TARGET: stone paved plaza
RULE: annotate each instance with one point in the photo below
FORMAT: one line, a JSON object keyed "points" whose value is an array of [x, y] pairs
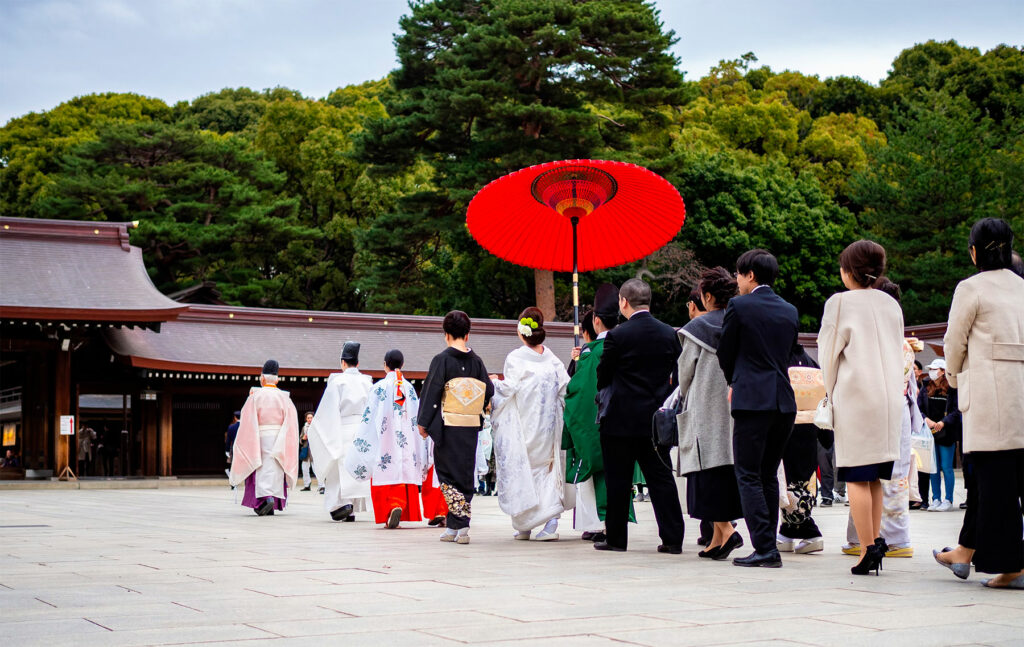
{"points": [[185, 565]]}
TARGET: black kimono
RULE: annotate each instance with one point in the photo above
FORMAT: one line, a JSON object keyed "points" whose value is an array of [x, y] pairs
{"points": [[454, 446]]}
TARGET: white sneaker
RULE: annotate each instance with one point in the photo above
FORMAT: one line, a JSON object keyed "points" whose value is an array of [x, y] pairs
{"points": [[945, 506], [806, 546], [784, 544], [935, 505], [840, 498]]}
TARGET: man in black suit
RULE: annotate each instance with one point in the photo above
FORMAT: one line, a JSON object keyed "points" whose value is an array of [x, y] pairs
{"points": [[633, 379], [758, 336]]}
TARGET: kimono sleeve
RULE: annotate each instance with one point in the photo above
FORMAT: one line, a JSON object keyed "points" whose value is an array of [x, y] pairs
{"points": [[429, 413]]}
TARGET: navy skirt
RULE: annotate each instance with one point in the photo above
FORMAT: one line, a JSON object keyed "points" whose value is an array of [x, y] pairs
{"points": [[865, 473]]}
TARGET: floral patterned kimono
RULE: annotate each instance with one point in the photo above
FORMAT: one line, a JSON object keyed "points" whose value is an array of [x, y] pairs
{"points": [[388, 451]]}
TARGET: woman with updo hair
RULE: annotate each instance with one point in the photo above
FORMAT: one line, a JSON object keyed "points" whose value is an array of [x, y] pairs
{"points": [[705, 422], [860, 349], [526, 423]]}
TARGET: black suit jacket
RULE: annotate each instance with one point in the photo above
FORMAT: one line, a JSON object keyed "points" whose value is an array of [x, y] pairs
{"points": [[635, 374], [758, 338]]}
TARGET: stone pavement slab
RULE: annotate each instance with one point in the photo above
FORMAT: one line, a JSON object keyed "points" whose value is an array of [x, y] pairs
{"points": [[188, 565]]}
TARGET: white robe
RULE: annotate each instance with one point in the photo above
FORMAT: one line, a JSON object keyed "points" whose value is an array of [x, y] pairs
{"points": [[526, 421], [387, 446], [330, 436]]}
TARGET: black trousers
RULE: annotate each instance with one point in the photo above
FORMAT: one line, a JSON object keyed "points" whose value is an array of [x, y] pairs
{"points": [[621, 453], [758, 442], [1000, 485], [827, 465], [455, 465], [969, 529]]}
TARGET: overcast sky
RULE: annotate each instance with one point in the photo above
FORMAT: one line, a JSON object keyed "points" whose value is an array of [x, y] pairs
{"points": [[179, 49]]}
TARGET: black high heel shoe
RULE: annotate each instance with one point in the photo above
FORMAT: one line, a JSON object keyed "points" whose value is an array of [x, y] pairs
{"points": [[883, 548], [872, 561]]}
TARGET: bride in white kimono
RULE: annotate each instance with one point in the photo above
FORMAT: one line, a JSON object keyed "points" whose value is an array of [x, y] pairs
{"points": [[526, 421]]}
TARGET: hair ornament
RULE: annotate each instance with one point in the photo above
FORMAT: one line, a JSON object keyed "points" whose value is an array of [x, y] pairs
{"points": [[526, 326]]}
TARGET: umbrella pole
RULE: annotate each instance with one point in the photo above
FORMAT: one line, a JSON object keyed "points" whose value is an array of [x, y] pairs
{"points": [[575, 288]]}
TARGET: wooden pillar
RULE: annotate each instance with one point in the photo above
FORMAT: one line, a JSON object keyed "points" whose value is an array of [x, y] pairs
{"points": [[148, 425], [544, 289], [35, 411], [62, 407], [164, 435]]}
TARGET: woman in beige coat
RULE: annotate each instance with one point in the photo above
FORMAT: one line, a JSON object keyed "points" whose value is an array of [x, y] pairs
{"points": [[860, 349], [984, 348]]}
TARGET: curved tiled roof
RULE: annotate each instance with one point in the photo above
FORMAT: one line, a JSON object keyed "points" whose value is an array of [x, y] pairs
{"points": [[81, 271], [229, 339]]}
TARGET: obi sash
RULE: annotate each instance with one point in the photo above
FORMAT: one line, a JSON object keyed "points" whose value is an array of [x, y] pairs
{"points": [[463, 402]]}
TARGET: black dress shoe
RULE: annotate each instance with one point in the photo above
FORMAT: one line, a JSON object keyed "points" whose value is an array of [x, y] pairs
{"points": [[732, 543], [671, 550], [603, 545], [437, 521], [305, 489], [265, 509], [826, 503], [342, 513], [703, 541], [594, 536], [763, 560]]}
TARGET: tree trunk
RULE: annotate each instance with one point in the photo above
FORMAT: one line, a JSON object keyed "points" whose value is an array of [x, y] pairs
{"points": [[544, 285]]}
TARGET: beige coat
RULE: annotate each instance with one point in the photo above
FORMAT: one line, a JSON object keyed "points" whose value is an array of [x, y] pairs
{"points": [[860, 349], [984, 350]]}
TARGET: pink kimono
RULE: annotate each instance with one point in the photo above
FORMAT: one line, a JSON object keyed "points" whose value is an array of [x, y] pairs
{"points": [[266, 452]]}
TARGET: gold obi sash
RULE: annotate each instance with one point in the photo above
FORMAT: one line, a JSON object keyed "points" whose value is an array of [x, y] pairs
{"points": [[463, 402]]}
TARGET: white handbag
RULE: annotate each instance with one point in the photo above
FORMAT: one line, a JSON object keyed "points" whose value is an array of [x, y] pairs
{"points": [[823, 415]]}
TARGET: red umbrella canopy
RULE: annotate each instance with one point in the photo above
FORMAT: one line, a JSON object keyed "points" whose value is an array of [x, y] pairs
{"points": [[625, 212]]}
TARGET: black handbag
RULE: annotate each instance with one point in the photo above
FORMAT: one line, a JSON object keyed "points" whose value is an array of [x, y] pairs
{"points": [[664, 426]]}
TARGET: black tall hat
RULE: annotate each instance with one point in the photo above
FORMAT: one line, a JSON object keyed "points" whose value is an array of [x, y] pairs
{"points": [[606, 300], [350, 352], [271, 367]]}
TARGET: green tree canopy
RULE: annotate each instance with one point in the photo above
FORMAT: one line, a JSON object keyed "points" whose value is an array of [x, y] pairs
{"points": [[485, 88]]}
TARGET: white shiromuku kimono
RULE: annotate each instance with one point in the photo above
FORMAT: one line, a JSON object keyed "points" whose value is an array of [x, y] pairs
{"points": [[526, 420], [387, 446], [330, 436]]}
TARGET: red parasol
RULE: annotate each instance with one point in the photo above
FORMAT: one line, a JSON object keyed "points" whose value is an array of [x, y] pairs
{"points": [[576, 215]]}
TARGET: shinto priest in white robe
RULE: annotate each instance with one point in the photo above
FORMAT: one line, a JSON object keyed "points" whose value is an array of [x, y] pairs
{"points": [[334, 428]]}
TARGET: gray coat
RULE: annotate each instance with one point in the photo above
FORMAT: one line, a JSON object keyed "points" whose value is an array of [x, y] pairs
{"points": [[705, 422]]}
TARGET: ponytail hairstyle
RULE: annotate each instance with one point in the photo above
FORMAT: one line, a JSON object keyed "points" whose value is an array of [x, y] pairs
{"points": [[719, 284], [531, 326], [864, 261]]}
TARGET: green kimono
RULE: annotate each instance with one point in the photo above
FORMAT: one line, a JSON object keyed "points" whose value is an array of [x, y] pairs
{"points": [[581, 437]]}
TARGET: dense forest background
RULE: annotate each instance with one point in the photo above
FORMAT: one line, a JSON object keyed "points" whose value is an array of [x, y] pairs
{"points": [[356, 201]]}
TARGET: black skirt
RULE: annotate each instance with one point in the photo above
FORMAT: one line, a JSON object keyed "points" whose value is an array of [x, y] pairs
{"points": [[712, 495], [865, 473]]}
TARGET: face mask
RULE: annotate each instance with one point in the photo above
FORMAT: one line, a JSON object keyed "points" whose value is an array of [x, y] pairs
{"points": [[933, 373]]}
